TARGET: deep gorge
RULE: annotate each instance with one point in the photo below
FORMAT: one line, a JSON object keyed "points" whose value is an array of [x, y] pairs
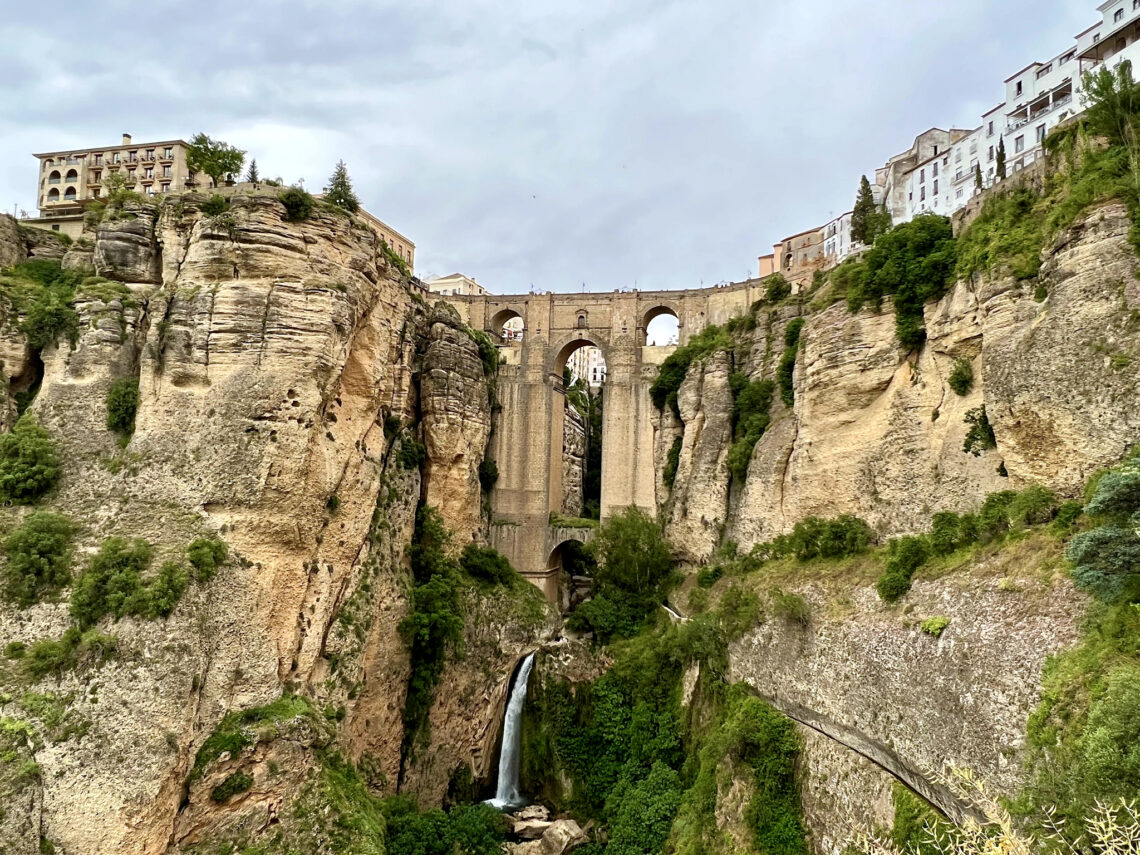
{"points": [[264, 617]]}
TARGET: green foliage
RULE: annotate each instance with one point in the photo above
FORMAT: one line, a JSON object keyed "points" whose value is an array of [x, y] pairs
{"points": [[993, 517], [672, 461], [980, 437], [74, 649], [915, 820], [752, 402], [40, 293], [913, 262], [394, 258], [840, 537], [790, 606], [708, 576], [634, 572], [1001, 159], [487, 565], [1112, 104], [214, 205], [434, 626], [112, 582], [961, 379], [298, 204], [465, 829], [340, 192], [867, 221], [488, 474], [412, 452], [205, 555], [1035, 505], [643, 811], [777, 288], [252, 175], [785, 372], [218, 159], [38, 558], [488, 351], [935, 625], [122, 404], [676, 365], [1106, 559], [950, 532], [242, 728], [907, 554], [1008, 234], [29, 465], [238, 782]]}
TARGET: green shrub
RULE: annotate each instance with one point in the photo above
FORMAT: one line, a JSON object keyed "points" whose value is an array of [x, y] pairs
{"points": [[672, 373], [840, 537], [994, 517], [122, 404], [40, 293], [633, 574], [332, 503], [238, 782], [708, 576], [75, 648], [792, 332], [240, 728], [672, 461], [913, 262], [298, 204], [205, 555], [469, 829], [412, 452], [790, 606], [214, 205], [785, 372], [163, 594], [486, 565], [949, 532], [645, 812], [935, 625], [907, 554], [961, 379], [1034, 505], [488, 474], [112, 582], [29, 466], [1067, 516], [488, 351], [777, 288], [39, 558], [980, 437]]}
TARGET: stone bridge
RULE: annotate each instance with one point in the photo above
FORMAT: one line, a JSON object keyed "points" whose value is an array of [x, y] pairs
{"points": [[527, 442]]}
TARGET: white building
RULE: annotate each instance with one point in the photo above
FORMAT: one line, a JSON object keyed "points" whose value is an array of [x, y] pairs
{"points": [[586, 363], [837, 241], [456, 284]]}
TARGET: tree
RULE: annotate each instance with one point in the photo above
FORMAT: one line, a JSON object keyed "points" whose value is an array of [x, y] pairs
{"points": [[1112, 103], [1001, 160], [215, 158], [252, 175], [864, 217], [29, 465], [978, 176], [340, 192]]}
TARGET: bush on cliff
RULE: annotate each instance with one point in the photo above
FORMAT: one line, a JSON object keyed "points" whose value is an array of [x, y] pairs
{"points": [[484, 564], [673, 370], [752, 401], [907, 554], [38, 558], [1107, 559], [298, 204], [634, 571], [122, 404], [961, 379], [40, 293], [29, 466]]}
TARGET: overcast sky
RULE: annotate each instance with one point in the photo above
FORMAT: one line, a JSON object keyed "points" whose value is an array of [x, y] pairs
{"points": [[652, 143]]}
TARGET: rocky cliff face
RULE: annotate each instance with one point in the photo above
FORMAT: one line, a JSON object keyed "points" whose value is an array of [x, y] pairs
{"points": [[878, 433], [280, 367], [573, 460]]}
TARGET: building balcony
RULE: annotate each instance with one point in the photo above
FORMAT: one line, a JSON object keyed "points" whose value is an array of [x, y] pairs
{"points": [[54, 180]]}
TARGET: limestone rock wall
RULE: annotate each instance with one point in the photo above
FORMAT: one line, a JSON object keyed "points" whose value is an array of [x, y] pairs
{"points": [[878, 433], [270, 357], [573, 461]]}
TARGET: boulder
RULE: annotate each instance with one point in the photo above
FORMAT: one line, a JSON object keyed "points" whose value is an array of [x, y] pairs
{"points": [[562, 836]]}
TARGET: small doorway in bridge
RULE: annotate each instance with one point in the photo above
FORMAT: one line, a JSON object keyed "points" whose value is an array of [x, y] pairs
{"points": [[576, 565], [584, 381], [508, 326], [662, 327]]}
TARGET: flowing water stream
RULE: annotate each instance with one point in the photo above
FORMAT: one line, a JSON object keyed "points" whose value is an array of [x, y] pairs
{"points": [[507, 792]]}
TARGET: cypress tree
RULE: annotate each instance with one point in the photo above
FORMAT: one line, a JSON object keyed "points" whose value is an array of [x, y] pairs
{"points": [[340, 192], [252, 175], [1001, 159], [978, 176], [864, 226]]}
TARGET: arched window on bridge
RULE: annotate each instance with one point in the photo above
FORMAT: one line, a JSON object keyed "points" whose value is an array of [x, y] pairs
{"points": [[582, 321], [508, 326], [662, 327], [577, 566], [582, 368]]}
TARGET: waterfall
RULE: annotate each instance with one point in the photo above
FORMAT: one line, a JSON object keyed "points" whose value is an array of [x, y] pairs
{"points": [[507, 792]]}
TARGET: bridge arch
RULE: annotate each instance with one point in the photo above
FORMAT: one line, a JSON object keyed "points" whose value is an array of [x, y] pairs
{"points": [[504, 317], [657, 312], [572, 343]]}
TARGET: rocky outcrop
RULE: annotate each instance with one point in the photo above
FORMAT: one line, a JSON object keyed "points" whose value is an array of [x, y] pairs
{"points": [[13, 248], [894, 701], [878, 432], [573, 460], [456, 420], [127, 248]]}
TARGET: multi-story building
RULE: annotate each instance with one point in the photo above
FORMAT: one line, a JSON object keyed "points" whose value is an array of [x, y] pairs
{"points": [[400, 244], [837, 242], [587, 363], [900, 193], [800, 255], [456, 284], [67, 179]]}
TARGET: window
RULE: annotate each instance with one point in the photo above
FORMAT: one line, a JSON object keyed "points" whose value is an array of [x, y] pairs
{"points": [[957, 155], [166, 172], [95, 193], [959, 192], [910, 196], [165, 188], [1118, 17], [922, 175], [581, 322], [1071, 54], [95, 176], [116, 158], [936, 151], [935, 186], [150, 154], [1096, 38], [991, 154], [149, 172], [922, 197], [55, 227], [935, 170], [1040, 133], [133, 156], [1019, 87], [169, 155], [990, 130], [98, 160], [958, 175], [1019, 145], [1043, 70]]}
